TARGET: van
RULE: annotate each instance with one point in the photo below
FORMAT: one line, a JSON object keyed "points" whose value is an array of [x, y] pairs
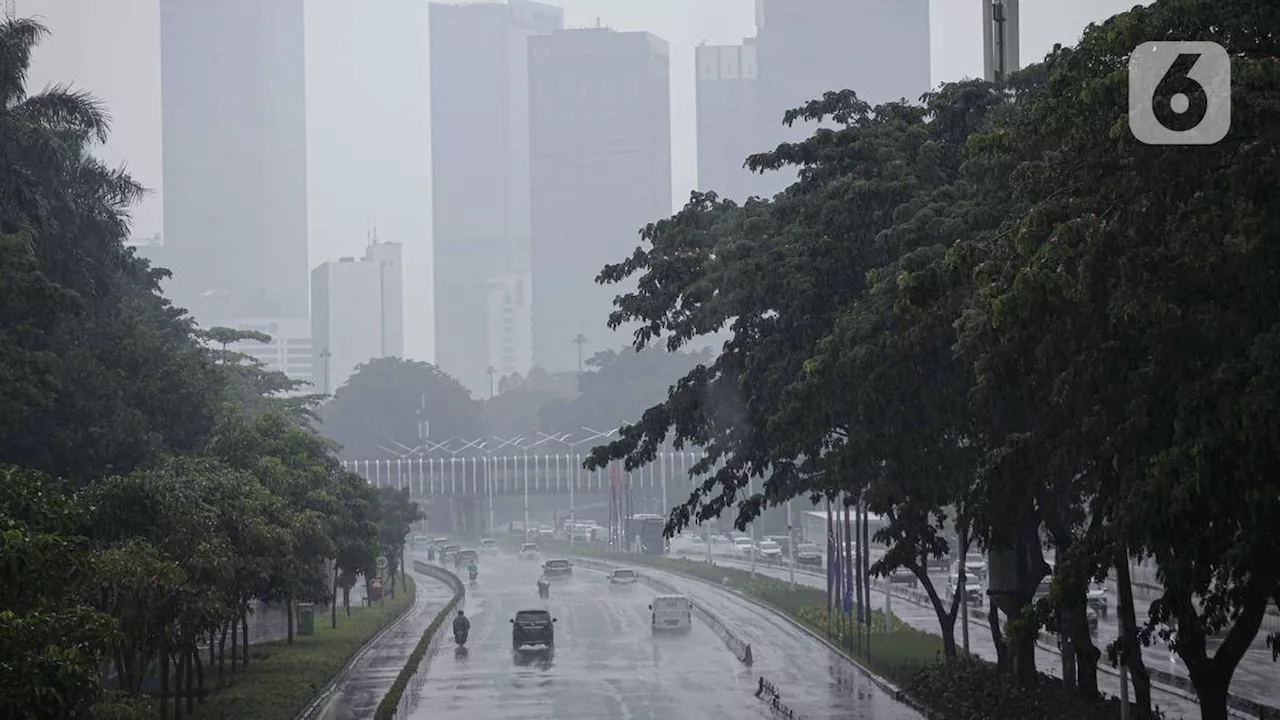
{"points": [[671, 613]]}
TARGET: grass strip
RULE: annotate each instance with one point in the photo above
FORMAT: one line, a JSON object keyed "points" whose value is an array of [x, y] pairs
{"points": [[282, 679], [391, 701]]}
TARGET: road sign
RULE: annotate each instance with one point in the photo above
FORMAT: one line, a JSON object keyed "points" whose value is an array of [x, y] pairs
{"points": [[382, 562]]}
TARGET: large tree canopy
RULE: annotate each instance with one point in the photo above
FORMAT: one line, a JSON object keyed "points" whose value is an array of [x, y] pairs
{"points": [[1003, 309], [382, 403]]}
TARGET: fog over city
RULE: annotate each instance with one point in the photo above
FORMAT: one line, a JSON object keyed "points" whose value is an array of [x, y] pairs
{"points": [[639, 359]]}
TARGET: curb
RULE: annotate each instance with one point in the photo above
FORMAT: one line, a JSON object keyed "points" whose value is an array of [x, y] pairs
{"points": [[389, 706], [317, 703]]}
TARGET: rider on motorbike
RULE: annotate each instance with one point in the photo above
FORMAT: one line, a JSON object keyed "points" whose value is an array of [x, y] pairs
{"points": [[544, 584], [461, 625], [473, 570]]}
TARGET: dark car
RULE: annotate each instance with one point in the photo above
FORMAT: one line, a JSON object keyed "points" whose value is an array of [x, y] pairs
{"points": [[466, 557], [449, 552], [531, 628], [903, 576], [557, 568]]}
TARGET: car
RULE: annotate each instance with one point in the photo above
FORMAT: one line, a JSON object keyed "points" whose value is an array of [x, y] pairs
{"points": [[558, 567], [450, 552], [975, 565], [489, 546], [419, 542], [903, 576], [972, 586], [743, 546], [546, 531], [516, 528], [623, 577], [671, 613], [439, 543], [1096, 595], [528, 551], [808, 554], [769, 551], [533, 629], [466, 557]]}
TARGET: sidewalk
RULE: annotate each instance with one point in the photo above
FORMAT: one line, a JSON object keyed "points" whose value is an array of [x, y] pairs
{"points": [[371, 675]]}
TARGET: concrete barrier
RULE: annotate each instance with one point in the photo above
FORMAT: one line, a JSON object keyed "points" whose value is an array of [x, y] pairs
{"points": [[740, 649]]}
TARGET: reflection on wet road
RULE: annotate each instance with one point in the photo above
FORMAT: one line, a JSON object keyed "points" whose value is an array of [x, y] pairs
{"points": [[607, 663]]}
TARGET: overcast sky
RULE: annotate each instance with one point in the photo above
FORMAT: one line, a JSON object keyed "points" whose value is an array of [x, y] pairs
{"points": [[368, 105]]}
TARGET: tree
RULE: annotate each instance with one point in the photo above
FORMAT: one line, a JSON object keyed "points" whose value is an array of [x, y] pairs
{"points": [[249, 386], [52, 640], [382, 404]]}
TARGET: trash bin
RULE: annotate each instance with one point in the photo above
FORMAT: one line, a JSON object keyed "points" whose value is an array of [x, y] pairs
{"points": [[306, 619]]}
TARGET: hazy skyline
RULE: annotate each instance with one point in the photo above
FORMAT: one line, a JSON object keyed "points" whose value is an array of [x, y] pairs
{"points": [[368, 129]]}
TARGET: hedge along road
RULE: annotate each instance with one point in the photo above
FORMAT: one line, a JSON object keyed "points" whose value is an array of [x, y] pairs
{"points": [[369, 677], [607, 663]]}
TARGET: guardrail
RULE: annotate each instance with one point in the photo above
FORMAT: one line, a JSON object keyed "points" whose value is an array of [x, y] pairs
{"points": [[740, 649], [392, 705], [769, 693]]}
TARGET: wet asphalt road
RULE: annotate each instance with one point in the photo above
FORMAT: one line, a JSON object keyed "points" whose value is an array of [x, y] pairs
{"points": [[1174, 704], [607, 663], [374, 670]]}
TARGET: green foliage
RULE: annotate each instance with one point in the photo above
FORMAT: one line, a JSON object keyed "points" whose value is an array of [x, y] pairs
{"points": [[381, 404], [998, 313], [391, 701]]}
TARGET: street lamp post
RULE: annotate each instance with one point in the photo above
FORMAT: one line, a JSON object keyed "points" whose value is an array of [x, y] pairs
{"points": [[577, 464], [526, 480]]}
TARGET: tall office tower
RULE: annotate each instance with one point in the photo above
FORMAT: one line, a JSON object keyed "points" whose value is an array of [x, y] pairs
{"points": [[357, 313], [600, 133], [728, 107], [480, 168], [235, 165], [999, 38], [877, 48]]}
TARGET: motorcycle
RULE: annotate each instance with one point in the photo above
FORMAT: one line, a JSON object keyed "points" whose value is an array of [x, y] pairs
{"points": [[473, 581], [544, 590], [460, 638]]}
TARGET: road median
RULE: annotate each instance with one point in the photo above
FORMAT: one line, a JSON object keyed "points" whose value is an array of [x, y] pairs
{"points": [[391, 702]]}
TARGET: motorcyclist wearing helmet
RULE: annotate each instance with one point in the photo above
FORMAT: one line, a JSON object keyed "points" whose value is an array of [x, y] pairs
{"points": [[461, 625]]}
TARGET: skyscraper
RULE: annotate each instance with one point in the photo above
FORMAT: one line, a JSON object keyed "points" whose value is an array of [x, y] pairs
{"points": [[729, 127], [234, 139], [600, 132], [803, 48], [357, 313], [480, 168]]}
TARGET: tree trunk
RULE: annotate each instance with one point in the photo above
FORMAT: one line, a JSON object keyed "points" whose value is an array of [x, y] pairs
{"points": [[244, 636], [178, 685], [1211, 690], [1130, 650], [200, 691], [222, 656], [288, 611], [164, 680], [1024, 659], [333, 599], [997, 639], [190, 659], [233, 624], [346, 600]]}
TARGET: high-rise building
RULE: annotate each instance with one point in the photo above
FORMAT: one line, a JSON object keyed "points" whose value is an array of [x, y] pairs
{"points": [[357, 313], [600, 133], [234, 142], [877, 48], [480, 168], [289, 350], [511, 324], [729, 130]]}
